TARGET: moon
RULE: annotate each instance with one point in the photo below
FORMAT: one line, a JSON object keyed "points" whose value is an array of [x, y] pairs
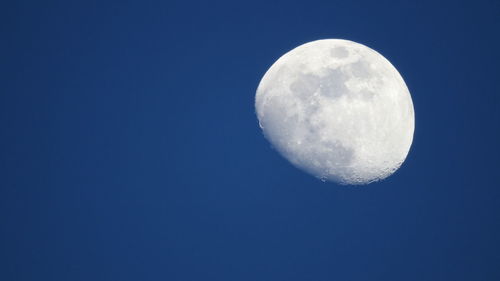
{"points": [[337, 110]]}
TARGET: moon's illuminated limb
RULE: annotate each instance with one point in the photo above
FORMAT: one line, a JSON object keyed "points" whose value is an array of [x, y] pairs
{"points": [[338, 110]]}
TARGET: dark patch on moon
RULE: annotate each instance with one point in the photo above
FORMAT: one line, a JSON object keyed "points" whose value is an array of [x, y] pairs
{"points": [[361, 69], [339, 52], [331, 85], [305, 86]]}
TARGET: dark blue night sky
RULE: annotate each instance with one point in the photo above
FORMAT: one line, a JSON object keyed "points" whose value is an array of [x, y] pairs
{"points": [[130, 149]]}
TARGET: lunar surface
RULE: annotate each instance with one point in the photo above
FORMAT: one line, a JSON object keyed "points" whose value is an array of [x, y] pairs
{"points": [[337, 110]]}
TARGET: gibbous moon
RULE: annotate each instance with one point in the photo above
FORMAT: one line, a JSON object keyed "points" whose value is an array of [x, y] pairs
{"points": [[337, 110]]}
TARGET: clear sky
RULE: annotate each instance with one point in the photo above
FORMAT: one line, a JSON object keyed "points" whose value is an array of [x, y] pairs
{"points": [[130, 149]]}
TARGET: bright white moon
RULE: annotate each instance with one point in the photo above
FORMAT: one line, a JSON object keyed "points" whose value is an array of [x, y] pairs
{"points": [[338, 110]]}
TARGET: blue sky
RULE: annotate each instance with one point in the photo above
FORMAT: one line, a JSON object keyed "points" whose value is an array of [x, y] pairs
{"points": [[130, 149]]}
